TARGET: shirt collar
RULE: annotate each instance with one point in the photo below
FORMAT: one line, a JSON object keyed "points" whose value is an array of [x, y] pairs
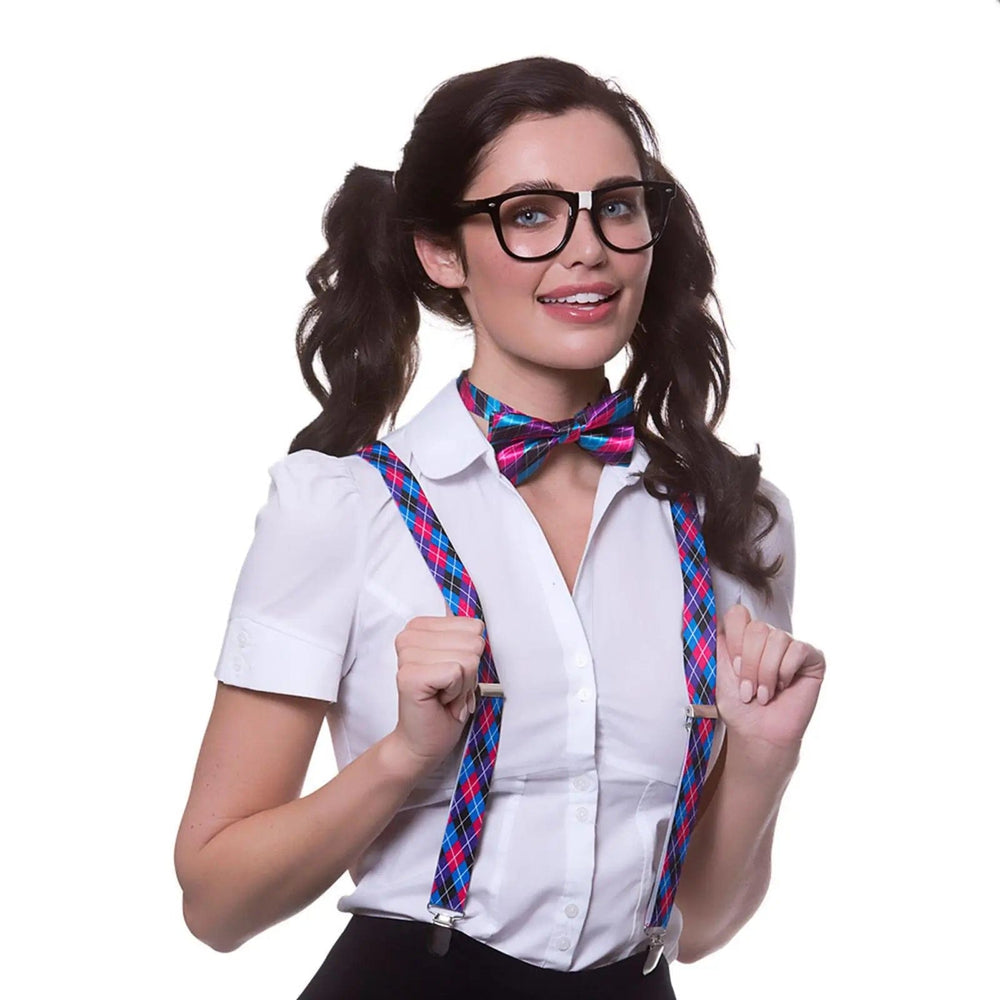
{"points": [[444, 439]]}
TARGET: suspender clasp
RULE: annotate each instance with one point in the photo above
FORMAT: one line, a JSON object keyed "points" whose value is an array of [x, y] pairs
{"points": [[440, 935], [489, 690], [655, 935], [700, 712]]}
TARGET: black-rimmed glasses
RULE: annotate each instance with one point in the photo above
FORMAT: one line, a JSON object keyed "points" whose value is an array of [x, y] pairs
{"points": [[537, 224]]}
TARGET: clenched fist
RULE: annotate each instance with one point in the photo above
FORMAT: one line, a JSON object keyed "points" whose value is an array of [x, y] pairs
{"points": [[438, 664]]}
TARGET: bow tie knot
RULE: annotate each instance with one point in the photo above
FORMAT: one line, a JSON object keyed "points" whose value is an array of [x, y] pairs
{"points": [[522, 442]]}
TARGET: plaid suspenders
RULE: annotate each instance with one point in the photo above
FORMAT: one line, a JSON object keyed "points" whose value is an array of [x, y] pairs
{"points": [[457, 856]]}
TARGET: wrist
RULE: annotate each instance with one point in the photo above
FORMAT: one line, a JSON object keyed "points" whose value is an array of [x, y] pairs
{"points": [[400, 760], [761, 757]]}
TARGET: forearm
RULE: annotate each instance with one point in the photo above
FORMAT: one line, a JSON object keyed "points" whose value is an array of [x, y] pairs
{"points": [[728, 865], [259, 870]]}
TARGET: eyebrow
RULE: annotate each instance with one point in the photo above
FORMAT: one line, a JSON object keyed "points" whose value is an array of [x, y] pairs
{"points": [[544, 184]]}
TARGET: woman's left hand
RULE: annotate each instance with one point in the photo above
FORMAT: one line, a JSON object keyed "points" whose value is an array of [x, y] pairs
{"points": [[767, 683]]}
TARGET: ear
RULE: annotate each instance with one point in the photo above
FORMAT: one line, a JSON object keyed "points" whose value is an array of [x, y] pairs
{"points": [[440, 261]]}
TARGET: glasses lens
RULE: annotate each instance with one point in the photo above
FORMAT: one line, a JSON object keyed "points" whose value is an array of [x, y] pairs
{"points": [[631, 216], [533, 224]]}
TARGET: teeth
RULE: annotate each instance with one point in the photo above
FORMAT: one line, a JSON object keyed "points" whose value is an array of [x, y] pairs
{"points": [[581, 298]]}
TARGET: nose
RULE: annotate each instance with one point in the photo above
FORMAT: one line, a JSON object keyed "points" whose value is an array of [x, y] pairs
{"points": [[584, 244]]}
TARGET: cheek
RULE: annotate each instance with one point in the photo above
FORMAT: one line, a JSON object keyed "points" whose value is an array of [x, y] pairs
{"points": [[500, 282], [638, 276], [641, 267]]}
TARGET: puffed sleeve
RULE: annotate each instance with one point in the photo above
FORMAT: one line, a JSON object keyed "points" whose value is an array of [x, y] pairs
{"points": [[780, 540], [297, 592]]}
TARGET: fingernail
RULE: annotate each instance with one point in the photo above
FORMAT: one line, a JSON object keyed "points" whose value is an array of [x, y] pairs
{"points": [[762, 694], [737, 663], [746, 690], [464, 714]]}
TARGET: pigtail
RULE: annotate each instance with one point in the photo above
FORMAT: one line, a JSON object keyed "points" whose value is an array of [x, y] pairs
{"points": [[363, 320]]}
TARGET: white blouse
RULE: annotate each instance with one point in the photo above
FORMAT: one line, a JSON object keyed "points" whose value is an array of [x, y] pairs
{"points": [[592, 737]]}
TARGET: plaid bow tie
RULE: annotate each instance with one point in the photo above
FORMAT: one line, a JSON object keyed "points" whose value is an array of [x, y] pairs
{"points": [[522, 443]]}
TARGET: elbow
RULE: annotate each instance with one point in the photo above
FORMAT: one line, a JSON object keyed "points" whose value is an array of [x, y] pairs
{"points": [[701, 937], [688, 952], [697, 940], [204, 929], [203, 921]]}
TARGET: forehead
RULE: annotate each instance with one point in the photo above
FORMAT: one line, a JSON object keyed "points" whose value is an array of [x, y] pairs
{"points": [[574, 150]]}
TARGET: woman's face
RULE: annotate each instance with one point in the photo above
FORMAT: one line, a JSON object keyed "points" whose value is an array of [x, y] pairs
{"points": [[578, 150]]}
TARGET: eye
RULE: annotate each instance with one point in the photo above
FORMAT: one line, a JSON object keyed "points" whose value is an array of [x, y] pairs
{"points": [[529, 215], [619, 207], [532, 211]]}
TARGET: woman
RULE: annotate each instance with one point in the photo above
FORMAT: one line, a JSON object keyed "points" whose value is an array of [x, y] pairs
{"points": [[530, 204]]}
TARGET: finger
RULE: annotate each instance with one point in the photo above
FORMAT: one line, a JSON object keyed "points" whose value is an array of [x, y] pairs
{"points": [[754, 639], [452, 694], [734, 624], [446, 622], [723, 657], [778, 641], [800, 659], [790, 663], [443, 680], [460, 708]]}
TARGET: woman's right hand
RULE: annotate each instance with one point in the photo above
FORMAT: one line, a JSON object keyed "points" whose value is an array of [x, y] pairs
{"points": [[438, 664]]}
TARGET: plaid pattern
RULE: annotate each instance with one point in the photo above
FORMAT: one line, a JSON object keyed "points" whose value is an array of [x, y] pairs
{"points": [[522, 443], [465, 817], [468, 804], [699, 632]]}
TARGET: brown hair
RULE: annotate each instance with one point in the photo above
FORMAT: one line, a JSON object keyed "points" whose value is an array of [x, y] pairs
{"points": [[368, 285]]}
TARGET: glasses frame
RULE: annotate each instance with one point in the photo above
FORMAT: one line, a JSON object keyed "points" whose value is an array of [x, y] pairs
{"points": [[577, 201]]}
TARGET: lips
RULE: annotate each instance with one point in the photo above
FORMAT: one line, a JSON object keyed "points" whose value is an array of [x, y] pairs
{"points": [[602, 289]]}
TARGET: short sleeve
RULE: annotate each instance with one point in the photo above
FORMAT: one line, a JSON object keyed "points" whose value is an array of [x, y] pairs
{"points": [[296, 595], [780, 540]]}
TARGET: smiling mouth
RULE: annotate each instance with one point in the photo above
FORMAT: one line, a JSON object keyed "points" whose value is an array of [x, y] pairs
{"points": [[583, 299]]}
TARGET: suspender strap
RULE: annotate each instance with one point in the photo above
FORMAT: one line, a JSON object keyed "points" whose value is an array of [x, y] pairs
{"points": [[698, 627], [468, 805]]}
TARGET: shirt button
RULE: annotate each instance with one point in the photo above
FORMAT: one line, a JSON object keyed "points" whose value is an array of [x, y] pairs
{"points": [[572, 910], [581, 782], [581, 659], [584, 694], [581, 814], [243, 638], [237, 664], [562, 943]]}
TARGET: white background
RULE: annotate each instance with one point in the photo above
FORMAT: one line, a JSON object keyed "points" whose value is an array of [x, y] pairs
{"points": [[165, 174]]}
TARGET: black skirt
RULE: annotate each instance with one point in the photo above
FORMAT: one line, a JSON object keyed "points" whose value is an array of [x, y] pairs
{"points": [[381, 957]]}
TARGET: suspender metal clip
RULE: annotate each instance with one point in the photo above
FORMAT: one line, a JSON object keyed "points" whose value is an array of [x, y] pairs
{"points": [[700, 712], [489, 690], [440, 935], [655, 935]]}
